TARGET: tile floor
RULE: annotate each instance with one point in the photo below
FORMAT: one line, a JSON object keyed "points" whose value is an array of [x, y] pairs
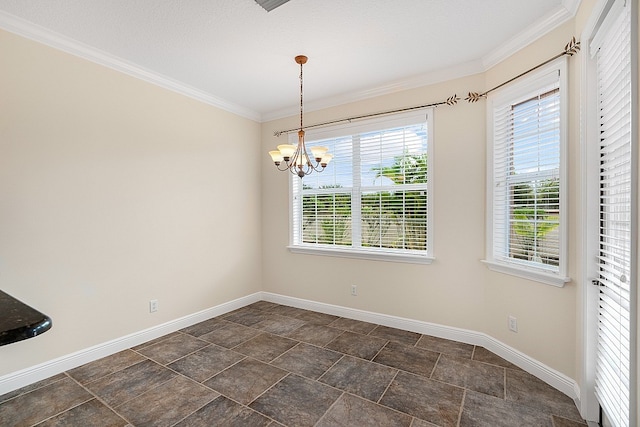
{"points": [[272, 365]]}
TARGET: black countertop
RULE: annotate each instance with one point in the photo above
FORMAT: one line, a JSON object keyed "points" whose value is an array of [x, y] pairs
{"points": [[19, 321]]}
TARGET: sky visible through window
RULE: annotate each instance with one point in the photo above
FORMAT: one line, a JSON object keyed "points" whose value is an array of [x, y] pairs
{"points": [[378, 150], [536, 134]]}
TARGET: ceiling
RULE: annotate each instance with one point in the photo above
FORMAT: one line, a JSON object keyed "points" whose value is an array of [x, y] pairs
{"points": [[237, 56]]}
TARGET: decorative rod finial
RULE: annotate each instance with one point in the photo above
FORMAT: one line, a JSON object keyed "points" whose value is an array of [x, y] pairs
{"points": [[474, 97], [452, 100], [572, 47]]}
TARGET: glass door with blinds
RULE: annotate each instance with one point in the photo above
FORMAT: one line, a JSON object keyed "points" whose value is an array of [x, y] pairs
{"points": [[614, 376]]}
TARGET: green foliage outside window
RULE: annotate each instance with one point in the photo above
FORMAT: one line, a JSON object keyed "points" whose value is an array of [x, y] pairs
{"points": [[389, 219], [533, 218]]}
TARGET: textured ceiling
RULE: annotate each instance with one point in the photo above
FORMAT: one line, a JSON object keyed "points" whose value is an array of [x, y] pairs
{"points": [[241, 55]]}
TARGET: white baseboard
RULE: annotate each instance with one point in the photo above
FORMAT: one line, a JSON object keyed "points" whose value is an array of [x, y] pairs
{"points": [[36, 373], [18, 379], [547, 374]]}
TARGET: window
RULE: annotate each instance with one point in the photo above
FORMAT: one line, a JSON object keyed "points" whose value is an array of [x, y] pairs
{"points": [[373, 200], [526, 177]]}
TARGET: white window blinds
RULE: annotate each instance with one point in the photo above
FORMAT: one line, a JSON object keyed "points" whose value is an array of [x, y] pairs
{"points": [[373, 197], [526, 181], [612, 49]]}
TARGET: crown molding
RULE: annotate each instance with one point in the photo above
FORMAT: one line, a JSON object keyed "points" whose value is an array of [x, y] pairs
{"points": [[29, 30], [554, 19], [42, 35], [530, 34], [433, 77], [572, 6]]}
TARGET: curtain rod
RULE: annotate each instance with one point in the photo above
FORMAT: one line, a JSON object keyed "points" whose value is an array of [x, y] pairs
{"points": [[570, 49]]}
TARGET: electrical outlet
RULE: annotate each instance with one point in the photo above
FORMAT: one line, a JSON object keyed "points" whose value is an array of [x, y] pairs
{"points": [[153, 306], [513, 324], [354, 290]]}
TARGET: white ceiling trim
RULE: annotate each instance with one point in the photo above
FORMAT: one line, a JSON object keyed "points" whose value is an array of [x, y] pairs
{"points": [[520, 41], [37, 33], [531, 34], [439, 76], [42, 35], [572, 6]]}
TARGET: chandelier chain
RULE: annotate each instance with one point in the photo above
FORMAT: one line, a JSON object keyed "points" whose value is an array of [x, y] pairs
{"points": [[300, 95]]}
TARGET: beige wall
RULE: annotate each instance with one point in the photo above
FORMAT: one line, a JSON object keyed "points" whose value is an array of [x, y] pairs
{"points": [[114, 192], [457, 290], [546, 314]]}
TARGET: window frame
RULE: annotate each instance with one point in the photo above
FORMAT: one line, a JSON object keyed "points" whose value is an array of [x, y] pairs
{"points": [[514, 93], [376, 254]]}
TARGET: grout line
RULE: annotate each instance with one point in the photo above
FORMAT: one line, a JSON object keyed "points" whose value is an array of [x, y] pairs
{"points": [[505, 382], [387, 388], [330, 367], [269, 388], [99, 399], [378, 352], [433, 370], [330, 407], [464, 397]]}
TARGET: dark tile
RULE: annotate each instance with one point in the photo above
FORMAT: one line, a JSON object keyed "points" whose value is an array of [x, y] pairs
{"points": [[280, 325], [357, 376], [397, 335], [205, 363], [202, 328], [155, 341], [265, 347], [426, 399], [246, 380], [230, 335], [32, 386], [442, 345], [263, 305], [167, 404], [246, 316], [307, 360], [314, 334], [362, 346], [105, 366], [352, 325], [482, 410], [417, 422], [415, 360], [563, 422], [351, 411], [467, 373], [124, 385], [173, 348], [286, 310], [91, 413], [296, 401], [317, 318], [224, 412], [481, 354], [525, 388], [42, 403]]}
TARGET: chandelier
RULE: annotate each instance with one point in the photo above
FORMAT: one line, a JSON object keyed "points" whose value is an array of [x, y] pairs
{"points": [[295, 157]]}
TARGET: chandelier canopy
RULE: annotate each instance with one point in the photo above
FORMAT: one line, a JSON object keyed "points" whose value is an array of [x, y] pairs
{"points": [[295, 157]]}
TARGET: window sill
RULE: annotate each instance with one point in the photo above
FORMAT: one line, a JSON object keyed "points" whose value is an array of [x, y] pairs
{"points": [[538, 276], [362, 254]]}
